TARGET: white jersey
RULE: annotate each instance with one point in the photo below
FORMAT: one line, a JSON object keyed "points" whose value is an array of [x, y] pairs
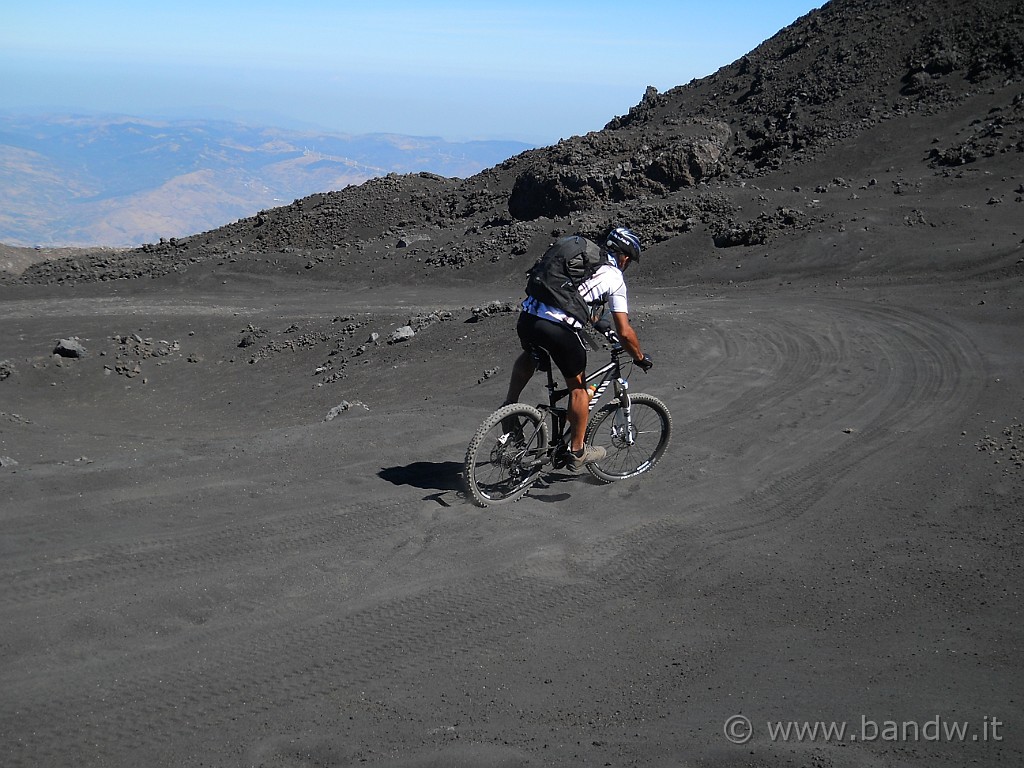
{"points": [[605, 286]]}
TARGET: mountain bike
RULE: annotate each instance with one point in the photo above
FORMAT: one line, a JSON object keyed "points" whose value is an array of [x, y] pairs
{"points": [[514, 446]]}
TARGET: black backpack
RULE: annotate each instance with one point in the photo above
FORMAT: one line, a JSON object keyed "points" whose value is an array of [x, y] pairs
{"points": [[557, 275]]}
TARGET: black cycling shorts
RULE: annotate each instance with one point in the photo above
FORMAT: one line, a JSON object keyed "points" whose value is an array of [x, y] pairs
{"points": [[557, 339]]}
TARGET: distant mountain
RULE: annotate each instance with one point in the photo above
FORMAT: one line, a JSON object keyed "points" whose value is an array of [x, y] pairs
{"points": [[68, 180]]}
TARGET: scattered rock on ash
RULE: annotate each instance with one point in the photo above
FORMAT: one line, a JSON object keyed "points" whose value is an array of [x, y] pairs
{"points": [[69, 348], [343, 406], [492, 308], [401, 334]]}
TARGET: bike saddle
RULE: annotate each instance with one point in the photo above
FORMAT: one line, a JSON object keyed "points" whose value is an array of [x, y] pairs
{"points": [[541, 358]]}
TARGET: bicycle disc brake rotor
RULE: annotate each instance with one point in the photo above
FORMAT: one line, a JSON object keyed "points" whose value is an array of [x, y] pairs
{"points": [[622, 434]]}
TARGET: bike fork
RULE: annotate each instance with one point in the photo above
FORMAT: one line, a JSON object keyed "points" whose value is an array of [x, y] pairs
{"points": [[622, 419]]}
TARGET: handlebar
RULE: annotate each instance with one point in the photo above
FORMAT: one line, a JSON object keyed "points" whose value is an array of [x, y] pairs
{"points": [[606, 330], [613, 340]]}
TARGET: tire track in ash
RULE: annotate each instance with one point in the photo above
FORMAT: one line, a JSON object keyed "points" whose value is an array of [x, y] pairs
{"points": [[116, 307], [925, 371], [791, 356], [334, 656], [155, 561], [165, 556]]}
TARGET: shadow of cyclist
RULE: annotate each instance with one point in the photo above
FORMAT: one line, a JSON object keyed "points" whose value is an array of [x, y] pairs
{"points": [[429, 475], [446, 476]]}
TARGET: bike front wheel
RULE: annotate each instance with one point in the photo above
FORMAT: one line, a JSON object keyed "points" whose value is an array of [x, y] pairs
{"points": [[634, 445], [506, 455]]}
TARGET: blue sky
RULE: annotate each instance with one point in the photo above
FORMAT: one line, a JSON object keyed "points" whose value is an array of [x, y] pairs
{"points": [[530, 71]]}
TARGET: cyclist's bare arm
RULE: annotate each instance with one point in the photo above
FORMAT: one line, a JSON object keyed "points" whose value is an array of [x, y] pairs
{"points": [[627, 336]]}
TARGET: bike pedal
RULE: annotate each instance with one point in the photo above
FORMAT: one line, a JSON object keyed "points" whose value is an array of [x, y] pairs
{"points": [[560, 457]]}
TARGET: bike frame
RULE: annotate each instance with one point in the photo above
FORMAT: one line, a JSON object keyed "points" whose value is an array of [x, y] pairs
{"points": [[608, 374]]}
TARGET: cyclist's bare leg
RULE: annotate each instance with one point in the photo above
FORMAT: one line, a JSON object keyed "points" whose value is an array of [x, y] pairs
{"points": [[578, 416], [522, 371], [579, 398], [579, 410]]}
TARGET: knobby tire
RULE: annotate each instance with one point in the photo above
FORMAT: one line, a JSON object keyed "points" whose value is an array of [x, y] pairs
{"points": [[652, 429], [500, 472]]}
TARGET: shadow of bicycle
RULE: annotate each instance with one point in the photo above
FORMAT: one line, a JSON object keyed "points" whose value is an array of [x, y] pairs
{"points": [[441, 476], [429, 475], [445, 477]]}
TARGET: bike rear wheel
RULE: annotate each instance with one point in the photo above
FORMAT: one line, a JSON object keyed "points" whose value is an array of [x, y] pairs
{"points": [[632, 449], [506, 455]]}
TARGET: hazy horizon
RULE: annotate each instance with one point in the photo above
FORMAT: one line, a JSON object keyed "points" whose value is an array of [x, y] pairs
{"points": [[529, 72]]}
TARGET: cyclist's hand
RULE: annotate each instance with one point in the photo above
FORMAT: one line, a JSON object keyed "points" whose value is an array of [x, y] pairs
{"points": [[645, 363]]}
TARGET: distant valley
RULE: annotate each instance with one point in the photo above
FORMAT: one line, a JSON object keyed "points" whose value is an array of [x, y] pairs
{"points": [[69, 180]]}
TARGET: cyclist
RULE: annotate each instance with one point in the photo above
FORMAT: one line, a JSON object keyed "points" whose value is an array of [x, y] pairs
{"points": [[556, 334]]}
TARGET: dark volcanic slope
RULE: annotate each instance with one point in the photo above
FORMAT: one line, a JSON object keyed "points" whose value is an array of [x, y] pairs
{"points": [[207, 559], [929, 88]]}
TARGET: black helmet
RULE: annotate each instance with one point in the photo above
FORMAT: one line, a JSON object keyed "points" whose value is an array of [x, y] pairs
{"points": [[622, 240]]}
